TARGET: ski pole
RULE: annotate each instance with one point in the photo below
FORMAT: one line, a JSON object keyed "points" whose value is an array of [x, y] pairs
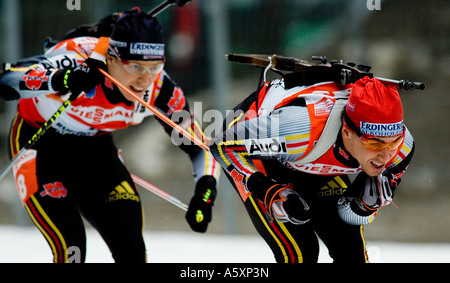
{"points": [[157, 191], [37, 135], [72, 46], [164, 5]]}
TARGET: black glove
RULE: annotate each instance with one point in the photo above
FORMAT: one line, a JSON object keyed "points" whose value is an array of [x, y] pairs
{"points": [[84, 77], [373, 192], [286, 205], [199, 213], [360, 203], [353, 212], [281, 203]]}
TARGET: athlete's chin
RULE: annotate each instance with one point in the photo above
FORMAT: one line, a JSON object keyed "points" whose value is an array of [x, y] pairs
{"points": [[131, 98]]}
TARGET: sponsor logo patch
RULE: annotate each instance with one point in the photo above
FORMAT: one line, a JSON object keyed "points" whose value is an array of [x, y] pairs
{"points": [[122, 192], [147, 49], [35, 80], [383, 130], [268, 146], [54, 190]]}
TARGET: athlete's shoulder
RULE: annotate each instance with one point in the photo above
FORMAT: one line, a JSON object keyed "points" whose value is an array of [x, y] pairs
{"points": [[62, 55]]}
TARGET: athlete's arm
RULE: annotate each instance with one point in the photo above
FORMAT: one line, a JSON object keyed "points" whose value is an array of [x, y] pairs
{"points": [[283, 135], [32, 77]]}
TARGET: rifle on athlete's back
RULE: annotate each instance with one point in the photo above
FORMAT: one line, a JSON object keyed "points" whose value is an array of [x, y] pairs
{"points": [[306, 73]]}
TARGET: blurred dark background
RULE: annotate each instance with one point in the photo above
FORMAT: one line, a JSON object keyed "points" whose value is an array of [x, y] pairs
{"points": [[402, 40]]}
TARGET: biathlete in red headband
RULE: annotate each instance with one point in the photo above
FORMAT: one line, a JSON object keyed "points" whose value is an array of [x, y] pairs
{"points": [[289, 153]]}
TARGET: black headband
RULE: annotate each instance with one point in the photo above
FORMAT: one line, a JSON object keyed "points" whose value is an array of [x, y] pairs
{"points": [[351, 125]]}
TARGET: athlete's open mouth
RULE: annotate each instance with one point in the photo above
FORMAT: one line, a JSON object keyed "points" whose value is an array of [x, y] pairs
{"points": [[377, 165], [137, 90]]}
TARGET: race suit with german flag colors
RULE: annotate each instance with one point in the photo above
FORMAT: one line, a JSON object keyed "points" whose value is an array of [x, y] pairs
{"points": [[77, 159], [271, 131]]}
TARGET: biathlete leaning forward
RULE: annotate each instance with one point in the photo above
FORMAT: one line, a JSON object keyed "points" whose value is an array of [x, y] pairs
{"points": [[74, 169], [289, 154]]}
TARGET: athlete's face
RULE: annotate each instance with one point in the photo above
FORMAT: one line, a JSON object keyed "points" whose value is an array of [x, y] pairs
{"points": [[373, 160], [137, 76]]}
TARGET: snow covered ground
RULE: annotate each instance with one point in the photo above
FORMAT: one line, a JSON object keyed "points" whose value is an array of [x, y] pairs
{"points": [[26, 245]]}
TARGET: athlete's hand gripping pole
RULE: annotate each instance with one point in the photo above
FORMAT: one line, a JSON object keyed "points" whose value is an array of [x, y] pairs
{"points": [[281, 203], [199, 213], [72, 46]]}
